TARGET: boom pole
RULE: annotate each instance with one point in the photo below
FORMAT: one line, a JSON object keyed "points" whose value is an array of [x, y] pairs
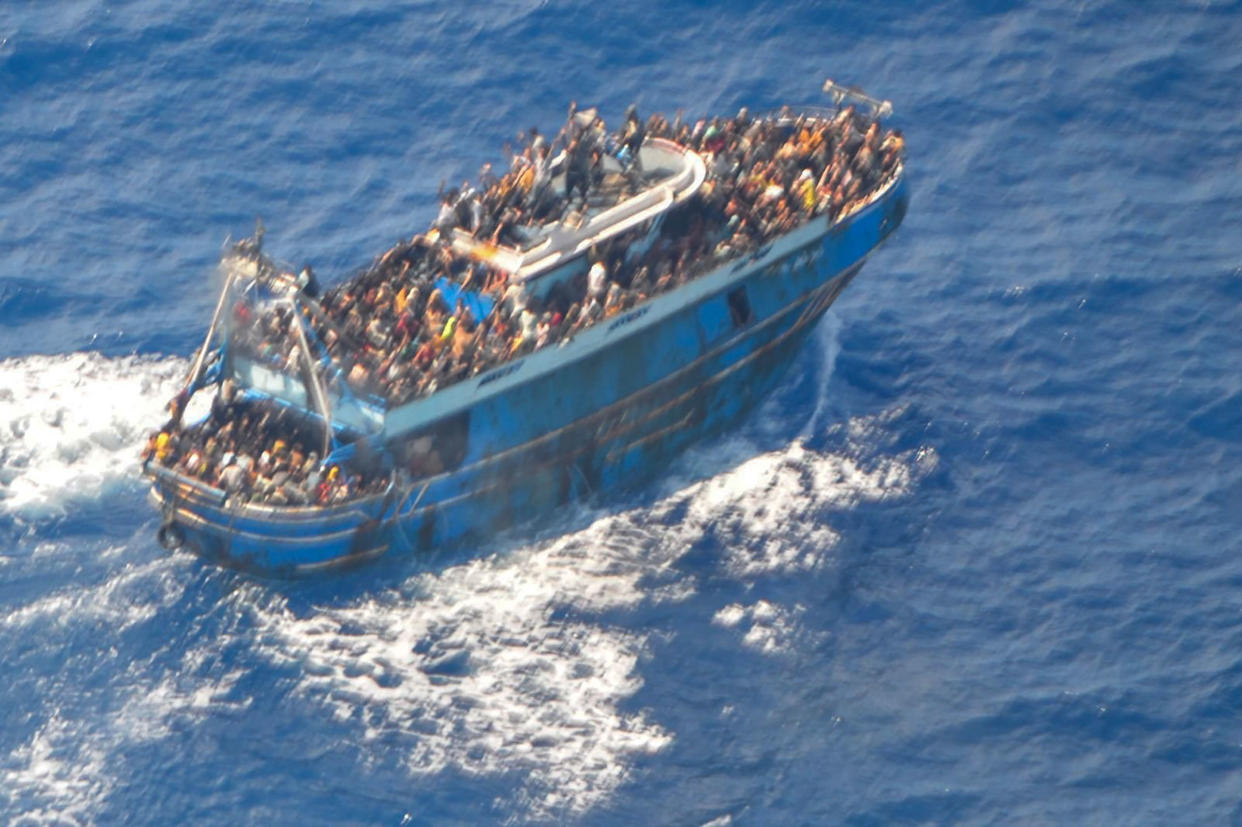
{"points": [[196, 372], [840, 93]]}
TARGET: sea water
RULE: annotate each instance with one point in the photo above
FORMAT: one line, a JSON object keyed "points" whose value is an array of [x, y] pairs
{"points": [[975, 561]]}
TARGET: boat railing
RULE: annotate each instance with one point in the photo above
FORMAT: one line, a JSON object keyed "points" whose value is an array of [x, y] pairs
{"points": [[172, 478]]}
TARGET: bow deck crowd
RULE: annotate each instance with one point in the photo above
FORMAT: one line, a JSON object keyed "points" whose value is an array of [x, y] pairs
{"points": [[396, 336]]}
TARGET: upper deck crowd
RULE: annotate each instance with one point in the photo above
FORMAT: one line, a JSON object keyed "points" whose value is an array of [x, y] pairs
{"points": [[398, 336], [395, 334]]}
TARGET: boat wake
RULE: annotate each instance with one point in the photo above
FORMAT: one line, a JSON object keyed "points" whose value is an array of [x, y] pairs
{"points": [[68, 766], [516, 660], [72, 425], [524, 662]]}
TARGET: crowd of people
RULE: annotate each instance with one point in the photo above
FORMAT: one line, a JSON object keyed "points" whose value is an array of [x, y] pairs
{"points": [[399, 338], [256, 451], [393, 334]]}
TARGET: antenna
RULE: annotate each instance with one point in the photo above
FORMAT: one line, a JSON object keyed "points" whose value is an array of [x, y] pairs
{"points": [[840, 94]]}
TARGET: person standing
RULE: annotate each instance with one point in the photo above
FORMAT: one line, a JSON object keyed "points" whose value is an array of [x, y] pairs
{"points": [[597, 281], [632, 137], [577, 169]]}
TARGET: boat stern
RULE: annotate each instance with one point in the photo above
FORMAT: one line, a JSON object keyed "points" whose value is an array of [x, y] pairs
{"points": [[265, 540]]}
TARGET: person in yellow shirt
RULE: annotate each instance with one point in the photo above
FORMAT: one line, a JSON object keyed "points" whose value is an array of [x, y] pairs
{"points": [[526, 178], [163, 446], [805, 189]]}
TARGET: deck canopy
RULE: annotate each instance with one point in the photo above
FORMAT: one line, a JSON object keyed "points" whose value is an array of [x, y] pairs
{"points": [[671, 174]]}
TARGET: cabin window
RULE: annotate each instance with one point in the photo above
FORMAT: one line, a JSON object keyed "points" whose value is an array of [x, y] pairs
{"points": [[739, 307], [439, 447]]}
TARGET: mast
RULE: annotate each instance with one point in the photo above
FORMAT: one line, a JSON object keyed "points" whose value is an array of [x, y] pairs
{"points": [[314, 388]]}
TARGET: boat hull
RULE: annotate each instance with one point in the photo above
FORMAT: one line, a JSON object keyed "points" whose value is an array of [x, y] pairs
{"points": [[607, 419]]}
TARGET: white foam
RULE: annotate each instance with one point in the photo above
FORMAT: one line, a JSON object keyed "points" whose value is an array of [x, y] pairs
{"points": [[768, 510], [826, 339], [773, 628], [66, 771], [72, 424], [54, 778], [502, 665], [479, 675], [118, 603], [730, 616]]}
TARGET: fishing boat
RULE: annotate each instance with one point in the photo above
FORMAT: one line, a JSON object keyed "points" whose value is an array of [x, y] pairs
{"points": [[333, 439]]}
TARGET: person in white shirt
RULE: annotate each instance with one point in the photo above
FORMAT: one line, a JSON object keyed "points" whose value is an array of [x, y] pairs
{"points": [[597, 281]]}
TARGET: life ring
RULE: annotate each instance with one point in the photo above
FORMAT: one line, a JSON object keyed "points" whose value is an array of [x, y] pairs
{"points": [[170, 536]]}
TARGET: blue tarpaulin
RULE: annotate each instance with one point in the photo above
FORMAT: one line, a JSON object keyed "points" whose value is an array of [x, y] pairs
{"points": [[480, 305]]}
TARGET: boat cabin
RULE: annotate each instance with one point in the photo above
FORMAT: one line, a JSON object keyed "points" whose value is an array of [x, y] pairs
{"points": [[557, 250]]}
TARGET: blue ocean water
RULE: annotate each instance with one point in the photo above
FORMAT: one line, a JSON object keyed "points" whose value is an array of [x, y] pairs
{"points": [[976, 561]]}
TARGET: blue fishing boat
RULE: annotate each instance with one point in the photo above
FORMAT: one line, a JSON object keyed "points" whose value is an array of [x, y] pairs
{"points": [[560, 332]]}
